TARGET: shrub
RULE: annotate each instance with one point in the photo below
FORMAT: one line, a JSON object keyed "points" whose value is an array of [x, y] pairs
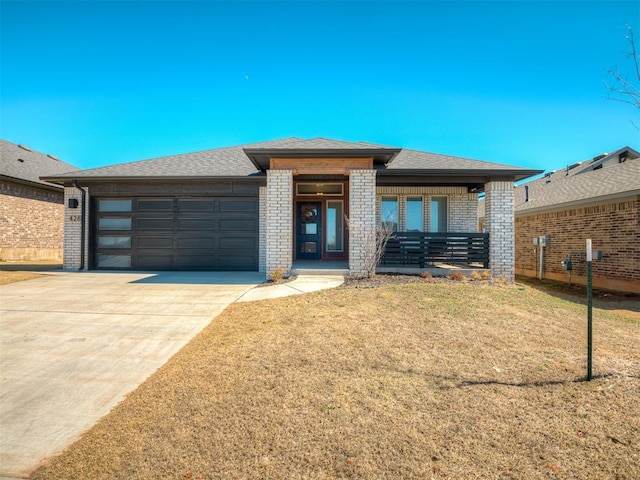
{"points": [[276, 275], [426, 274], [458, 276], [476, 276], [486, 274]]}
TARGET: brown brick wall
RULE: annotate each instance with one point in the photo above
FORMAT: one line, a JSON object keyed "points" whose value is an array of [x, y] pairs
{"points": [[614, 228], [31, 222]]}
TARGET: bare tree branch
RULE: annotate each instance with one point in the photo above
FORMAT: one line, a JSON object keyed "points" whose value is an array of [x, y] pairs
{"points": [[625, 90]]}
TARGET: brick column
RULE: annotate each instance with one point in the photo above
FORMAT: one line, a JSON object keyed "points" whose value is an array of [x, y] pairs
{"points": [[279, 220], [73, 230], [500, 225], [262, 231], [362, 218]]}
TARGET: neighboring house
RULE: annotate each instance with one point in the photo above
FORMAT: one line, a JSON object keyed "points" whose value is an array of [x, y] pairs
{"points": [[31, 210], [266, 206], [597, 199]]}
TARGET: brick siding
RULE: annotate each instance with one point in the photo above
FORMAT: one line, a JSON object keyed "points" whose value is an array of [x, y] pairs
{"points": [[362, 218], [31, 222], [73, 230], [262, 230], [499, 218], [279, 220], [463, 206], [613, 227]]}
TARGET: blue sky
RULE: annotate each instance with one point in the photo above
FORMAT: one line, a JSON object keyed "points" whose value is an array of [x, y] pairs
{"points": [[515, 82]]}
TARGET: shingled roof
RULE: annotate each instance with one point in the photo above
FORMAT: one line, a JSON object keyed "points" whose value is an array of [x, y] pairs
{"points": [[558, 190], [23, 164], [599, 179], [234, 162]]}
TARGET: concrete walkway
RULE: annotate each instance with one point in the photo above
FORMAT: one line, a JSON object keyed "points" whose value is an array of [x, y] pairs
{"points": [[302, 284], [73, 345]]}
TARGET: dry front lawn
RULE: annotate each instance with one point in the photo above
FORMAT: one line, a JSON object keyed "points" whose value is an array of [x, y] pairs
{"points": [[412, 381], [12, 277]]}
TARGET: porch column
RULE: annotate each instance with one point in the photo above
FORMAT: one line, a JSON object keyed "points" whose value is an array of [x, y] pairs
{"points": [[279, 220], [500, 225], [72, 247], [362, 218]]}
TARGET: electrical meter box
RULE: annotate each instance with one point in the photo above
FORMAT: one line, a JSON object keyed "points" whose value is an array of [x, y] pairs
{"points": [[567, 265], [597, 254], [536, 241], [544, 241]]}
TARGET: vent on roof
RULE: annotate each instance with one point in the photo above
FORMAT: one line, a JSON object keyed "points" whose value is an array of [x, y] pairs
{"points": [[571, 167], [53, 156], [597, 167], [599, 157], [24, 147], [622, 157], [21, 160]]}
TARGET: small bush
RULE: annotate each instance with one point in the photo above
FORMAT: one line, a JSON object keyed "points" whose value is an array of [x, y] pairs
{"points": [[486, 275], [476, 276], [276, 275], [458, 276], [426, 274]]}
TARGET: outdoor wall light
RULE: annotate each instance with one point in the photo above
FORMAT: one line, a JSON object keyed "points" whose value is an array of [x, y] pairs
{"points": [[73, 203]]}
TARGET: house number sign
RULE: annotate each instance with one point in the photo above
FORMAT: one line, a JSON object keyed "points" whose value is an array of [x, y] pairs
{"points": [[75, 218]]}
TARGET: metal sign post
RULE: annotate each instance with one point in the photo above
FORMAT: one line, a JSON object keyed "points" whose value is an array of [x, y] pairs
{"points": [[589, 311]]}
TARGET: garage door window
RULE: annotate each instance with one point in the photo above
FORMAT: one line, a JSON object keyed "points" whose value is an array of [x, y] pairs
{"points": [[114, 223], [115, 206]]}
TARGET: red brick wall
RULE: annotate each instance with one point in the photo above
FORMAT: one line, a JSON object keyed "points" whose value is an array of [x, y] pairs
{"points": [[614, 228], [31, 222]]}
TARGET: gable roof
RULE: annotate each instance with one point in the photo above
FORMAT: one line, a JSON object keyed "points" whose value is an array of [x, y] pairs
{"points": [[599, 179], [588, 186], [242, 161], [25, 165]]}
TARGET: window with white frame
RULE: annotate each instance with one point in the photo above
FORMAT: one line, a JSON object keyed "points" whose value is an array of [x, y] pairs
{"points": [[439, 214], [389, 212], [414, 221]]}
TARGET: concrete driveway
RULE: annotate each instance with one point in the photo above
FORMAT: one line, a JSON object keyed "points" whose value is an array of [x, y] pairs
{"points": [[73, 345]]}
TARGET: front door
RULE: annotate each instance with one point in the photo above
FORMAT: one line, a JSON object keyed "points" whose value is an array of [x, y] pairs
{"points": [[309, 230]]}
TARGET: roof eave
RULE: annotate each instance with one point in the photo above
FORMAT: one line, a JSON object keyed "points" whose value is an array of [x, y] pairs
{"points": [[488, 174], [260, 157], [574, 203], [31, 183], [67, 180]]}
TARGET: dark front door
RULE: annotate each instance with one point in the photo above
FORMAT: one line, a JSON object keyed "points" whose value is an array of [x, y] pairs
{"points": [[309, 230]]}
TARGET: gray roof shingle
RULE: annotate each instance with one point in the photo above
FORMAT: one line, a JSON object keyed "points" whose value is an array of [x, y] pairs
{"points": [[580, 184], [557, 190], [234, 162], [24, 164]]}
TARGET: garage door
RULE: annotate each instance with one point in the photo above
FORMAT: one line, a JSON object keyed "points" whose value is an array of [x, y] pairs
{"points": [[209, 233]]}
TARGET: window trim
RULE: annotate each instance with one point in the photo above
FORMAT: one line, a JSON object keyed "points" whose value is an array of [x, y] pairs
{"points": [[431, 203]]}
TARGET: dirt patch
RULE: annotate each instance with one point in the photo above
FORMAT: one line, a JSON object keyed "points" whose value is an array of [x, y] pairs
{"points": [[427, 379], [7, 277]]}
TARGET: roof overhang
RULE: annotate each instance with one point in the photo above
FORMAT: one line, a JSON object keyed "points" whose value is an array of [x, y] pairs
{"points": [[68, 181], [47, 186], [261, 157], [462, 176]]}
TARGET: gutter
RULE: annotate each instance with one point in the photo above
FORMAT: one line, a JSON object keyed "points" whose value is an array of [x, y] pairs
{"points": [[83, 228]]}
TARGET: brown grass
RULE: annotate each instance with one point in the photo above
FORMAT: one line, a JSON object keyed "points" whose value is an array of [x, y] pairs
{"points": [[430, 380], [12, 277]]}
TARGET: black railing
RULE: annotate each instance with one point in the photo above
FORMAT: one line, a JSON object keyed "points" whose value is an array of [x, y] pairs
{"points": [[418, 249]]}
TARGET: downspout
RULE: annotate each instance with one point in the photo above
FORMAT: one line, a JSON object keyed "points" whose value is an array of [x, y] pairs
{"points": [[83, 229]]}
